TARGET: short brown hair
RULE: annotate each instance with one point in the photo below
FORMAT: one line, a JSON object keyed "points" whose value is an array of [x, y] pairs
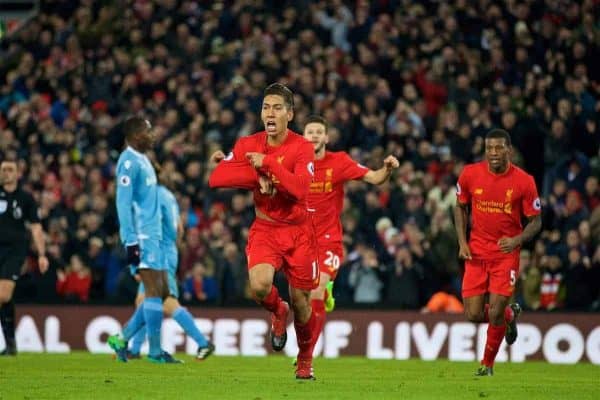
{"points": [[283, 91], [317, 119], [9, 157]]}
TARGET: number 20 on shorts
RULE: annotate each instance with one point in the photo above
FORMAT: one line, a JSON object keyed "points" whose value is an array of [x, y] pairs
{"points": [[332, 260]]}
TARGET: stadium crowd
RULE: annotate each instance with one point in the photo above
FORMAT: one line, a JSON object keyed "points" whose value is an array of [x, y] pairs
{"points": [[424, 82]]}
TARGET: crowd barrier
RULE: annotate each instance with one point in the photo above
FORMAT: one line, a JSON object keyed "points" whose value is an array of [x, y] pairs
{"points": [[565, 338]]}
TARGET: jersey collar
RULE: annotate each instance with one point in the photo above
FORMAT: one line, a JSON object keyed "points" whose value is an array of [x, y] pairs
{"points": [[487, 167], [134, 151]]}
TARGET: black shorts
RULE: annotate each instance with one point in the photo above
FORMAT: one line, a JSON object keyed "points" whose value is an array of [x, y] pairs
{"points": [[11, 262]]}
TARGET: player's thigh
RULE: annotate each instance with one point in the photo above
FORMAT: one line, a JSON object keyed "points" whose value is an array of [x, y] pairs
{"points": [[154, 282], [475, 279], [301, 266], [503, 274], [319, 292]]}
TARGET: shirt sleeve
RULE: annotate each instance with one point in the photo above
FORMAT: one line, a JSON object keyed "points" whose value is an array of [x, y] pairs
{"points": [[126, 175], [234, 171], [296, 183], [351, 169], [463, 196], [530, 202], [32, 213]]}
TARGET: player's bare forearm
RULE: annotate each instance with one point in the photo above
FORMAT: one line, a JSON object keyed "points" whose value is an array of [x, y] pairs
{"points": [[38, 239], [460, 222], [382, 174], [533, 227], [377, 177]]}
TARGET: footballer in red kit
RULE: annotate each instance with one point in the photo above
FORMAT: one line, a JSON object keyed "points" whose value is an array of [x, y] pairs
{"points": [[498, 194], [332, 170], [277, 165]]}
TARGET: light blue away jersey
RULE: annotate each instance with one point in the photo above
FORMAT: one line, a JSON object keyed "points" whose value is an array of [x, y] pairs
{"points": [[169, 212], [137, 198]]}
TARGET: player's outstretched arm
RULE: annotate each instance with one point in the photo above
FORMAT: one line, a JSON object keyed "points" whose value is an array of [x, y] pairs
{"points": [[460, 223], [382, 174]]}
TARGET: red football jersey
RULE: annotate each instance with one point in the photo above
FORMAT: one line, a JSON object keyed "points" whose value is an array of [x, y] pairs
{"points": [[498, 203], [290, 167], [327, 192]]}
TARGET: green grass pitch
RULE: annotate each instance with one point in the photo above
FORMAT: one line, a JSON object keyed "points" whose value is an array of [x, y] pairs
{"points": [[85, 376]]}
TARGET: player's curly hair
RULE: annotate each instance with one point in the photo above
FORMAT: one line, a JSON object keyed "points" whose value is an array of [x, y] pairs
{"points": [[279, 89]]}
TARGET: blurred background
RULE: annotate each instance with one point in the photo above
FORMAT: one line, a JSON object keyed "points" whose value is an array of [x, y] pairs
{"points": [[423, 82]]}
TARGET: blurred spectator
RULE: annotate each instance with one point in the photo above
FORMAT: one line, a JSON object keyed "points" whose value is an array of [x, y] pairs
{"points": [[366, 278], [552, 289], [198, 287], [404, 281], [73, 284], [528, 286]]}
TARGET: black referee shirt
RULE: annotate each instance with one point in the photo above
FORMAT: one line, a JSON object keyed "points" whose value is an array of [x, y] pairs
{"points": [[16, 208]]}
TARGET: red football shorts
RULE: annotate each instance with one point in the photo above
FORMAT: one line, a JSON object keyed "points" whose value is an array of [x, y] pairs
{"points": [[490, 276], [291, 247], [331, 255]]}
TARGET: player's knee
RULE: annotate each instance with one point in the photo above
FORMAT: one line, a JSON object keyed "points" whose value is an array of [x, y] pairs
{"points": [[260, 288], [474, 315], [302, 312], [496, 314]]}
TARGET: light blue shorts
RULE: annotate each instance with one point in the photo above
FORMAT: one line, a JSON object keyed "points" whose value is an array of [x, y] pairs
{"points": [[170, 261], [151, 255]]}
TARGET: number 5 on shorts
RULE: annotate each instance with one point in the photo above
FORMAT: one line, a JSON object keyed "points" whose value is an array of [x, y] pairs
{"points": [[513, 277]]}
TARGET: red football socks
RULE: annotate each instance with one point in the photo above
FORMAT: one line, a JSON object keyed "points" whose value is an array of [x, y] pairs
{"points": [[304, 336], [318, 308], [272, 301], [495, 334]]}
